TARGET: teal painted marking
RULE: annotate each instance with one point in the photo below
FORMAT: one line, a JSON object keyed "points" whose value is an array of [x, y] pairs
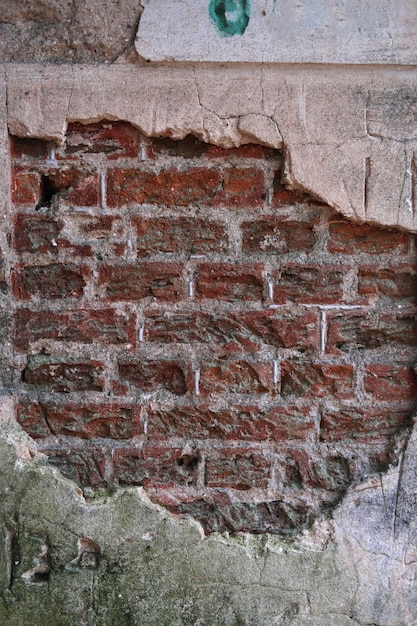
{"points": [[230, 16]]}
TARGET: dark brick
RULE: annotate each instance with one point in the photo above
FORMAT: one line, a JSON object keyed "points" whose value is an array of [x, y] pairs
{"points": [[155, 465], [63, 374], [272, 236], [237, 469], [163, 281], [309, 284], [49, 281], [230, 282], [153, 374]]}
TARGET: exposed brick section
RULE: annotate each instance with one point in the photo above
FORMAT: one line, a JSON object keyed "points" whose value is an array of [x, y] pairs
{"points": [[360, 330], [63, 374], [318, 380], [179, 235], [152, 375], [391, 382], [114, 421], [114, 139], [153, 465], [361, 424], [185, 322], [169, 188], [230, 282], [389, 282], [240, 376], [49, 281], [162, 281], [309, 284], [237, 470], [273, 236], [81, 326], [247, 423], [348, 238]]}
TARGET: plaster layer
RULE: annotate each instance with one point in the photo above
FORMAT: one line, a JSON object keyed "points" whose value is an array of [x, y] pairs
{"points": [[122, 560], [349, 134], [282, 31]]}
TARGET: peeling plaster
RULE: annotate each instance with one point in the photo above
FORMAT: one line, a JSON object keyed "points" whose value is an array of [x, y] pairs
{"points": [[343, 129]]}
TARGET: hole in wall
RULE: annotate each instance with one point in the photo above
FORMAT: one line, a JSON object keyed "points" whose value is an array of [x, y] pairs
{"points": [[291, 330]]}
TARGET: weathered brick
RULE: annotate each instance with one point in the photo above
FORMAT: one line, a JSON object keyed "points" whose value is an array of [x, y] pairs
{"points": [[391, 382], [251, 330], [309, 284], [395, 282], [316, 380], [282, 195], [242, 187], [275, 517], [169, 187], [247, 151], [362, 424], [230, 282], [41, 234], [238, 376], [88, 466], [273, 236], [155, 374], [349, 238], [358, 330], [245, 422], [236, 469], [188, 148], [22, 147], [94, 228], [49, 281], [80, 326], [163, 281], [114, 421], [114, 139], [155, 465], [64, 374], [26, 187], [74, 186], [182, 235]]}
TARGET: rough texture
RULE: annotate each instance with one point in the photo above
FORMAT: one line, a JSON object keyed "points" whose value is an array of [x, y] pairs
{"points": [[121, 560], [58, 31], [342, 128], [183, 323]]}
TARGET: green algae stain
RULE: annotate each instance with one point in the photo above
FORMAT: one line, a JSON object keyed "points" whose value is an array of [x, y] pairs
{"points": [[230, 16]]}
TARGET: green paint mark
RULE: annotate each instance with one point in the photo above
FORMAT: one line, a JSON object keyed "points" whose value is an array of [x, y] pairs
{"points": [[230, 16]]}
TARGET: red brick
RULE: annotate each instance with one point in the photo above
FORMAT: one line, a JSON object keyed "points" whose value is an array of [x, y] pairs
{"points": [[26, 187], [114, 139], [348, 238], [155, 465], [22, 147], [282, 195], [81, 326], [391, 382], [88, 466], [41, 234], [251, 330], [242, 187], [247, 151], [49, 281], [64, 374], [163, 281], [74, 186], [393, 282], [237, 469], [356, 330], [169, 188], [275, 517], [235, 377], [309, 284], [362, 424], [179, 235], [153, 374], [94, 228], [114, 421], [300, 470], [244, 422], [230, 282], [272, 236], [316, 380]]}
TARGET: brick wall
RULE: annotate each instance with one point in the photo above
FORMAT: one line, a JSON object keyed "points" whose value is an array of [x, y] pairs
{"points": [[184, 322]]}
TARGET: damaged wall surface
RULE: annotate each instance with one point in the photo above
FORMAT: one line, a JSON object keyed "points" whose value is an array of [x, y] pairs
{"points": [[72, 554]]}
